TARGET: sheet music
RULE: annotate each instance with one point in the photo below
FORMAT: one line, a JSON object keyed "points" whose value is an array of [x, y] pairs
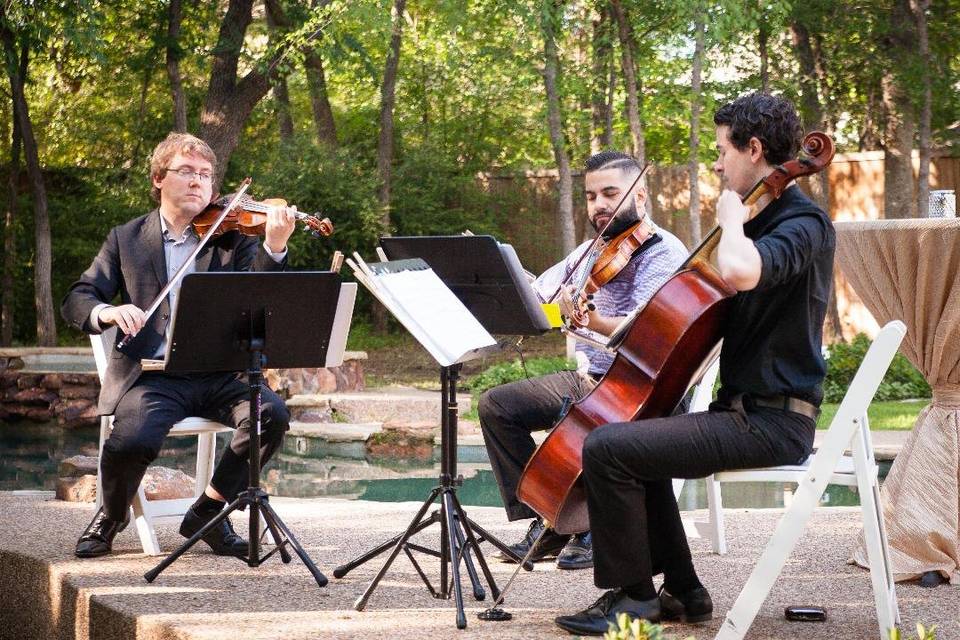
{"points": [[426, 307]]}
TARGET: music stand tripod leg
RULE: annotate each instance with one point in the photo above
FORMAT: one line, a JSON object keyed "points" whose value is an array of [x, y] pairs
{"points": [[151, 575], [346, 568], [411, 529], [464, 552], [454, 556]]}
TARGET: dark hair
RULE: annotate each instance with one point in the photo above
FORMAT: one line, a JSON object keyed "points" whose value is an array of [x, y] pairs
{"points": [[772, 120], [611, 160]]}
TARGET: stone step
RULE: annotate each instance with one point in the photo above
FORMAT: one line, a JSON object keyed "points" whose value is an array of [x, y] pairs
{"points": [[386, 405]]}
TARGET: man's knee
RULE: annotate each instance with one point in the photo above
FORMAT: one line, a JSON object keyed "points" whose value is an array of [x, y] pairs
{"points": [[601, 446], [135, 447]]}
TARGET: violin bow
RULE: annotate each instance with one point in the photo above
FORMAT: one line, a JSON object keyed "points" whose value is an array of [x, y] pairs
{"points": [[617, 211], [189, 261]]}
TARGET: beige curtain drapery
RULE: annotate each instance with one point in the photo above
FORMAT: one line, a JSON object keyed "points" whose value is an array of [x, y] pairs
{"points": [[910, 270]]}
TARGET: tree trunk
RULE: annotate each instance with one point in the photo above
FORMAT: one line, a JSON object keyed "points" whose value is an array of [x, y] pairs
{"points": [[43, 294], [923, 178], [699, 29], [173, 66], [319, 101], [551, 11], [281, 97], [141, 116], [387, 99], [284, 119], [630, 81], [899, 130], [602, 135], [230, 101], [8, 307], [811, 107], [762, 38]]}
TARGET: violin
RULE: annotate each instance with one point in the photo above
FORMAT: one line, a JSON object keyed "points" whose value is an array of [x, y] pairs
{"points": [[249, 217], [662, 348]]}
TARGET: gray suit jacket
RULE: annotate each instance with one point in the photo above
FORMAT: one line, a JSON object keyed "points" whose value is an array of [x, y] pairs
{"points": [[131, 262]]}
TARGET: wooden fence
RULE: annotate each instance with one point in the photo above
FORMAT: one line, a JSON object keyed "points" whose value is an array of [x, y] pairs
{"points": [[856, 183]]}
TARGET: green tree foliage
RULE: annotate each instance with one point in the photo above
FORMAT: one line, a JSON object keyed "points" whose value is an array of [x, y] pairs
{"points": [[470, 100]]}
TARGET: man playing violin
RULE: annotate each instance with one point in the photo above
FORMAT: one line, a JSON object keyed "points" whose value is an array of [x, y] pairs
{"points": [[136, 261], [780, 262], [511, 412]]}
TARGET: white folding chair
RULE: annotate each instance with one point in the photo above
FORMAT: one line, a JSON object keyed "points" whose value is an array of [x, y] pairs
{"points": [[702, 396], [149, 513], [827, 466]]}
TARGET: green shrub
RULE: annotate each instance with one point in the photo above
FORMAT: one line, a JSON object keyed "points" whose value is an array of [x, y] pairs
{"points": [[902, 381], [504, 372], [634, 629], [923, 633]]}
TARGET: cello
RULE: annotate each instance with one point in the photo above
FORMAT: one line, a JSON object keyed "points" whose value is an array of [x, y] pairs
{"points": [[662, 348]]}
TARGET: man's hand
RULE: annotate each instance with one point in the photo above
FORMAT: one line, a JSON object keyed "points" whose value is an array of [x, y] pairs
{"points": [[579, 314], [730, 210], [281, 221], [128, 317]]}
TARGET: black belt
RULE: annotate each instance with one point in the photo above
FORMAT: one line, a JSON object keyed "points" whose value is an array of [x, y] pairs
{"points": [[786, 403]]}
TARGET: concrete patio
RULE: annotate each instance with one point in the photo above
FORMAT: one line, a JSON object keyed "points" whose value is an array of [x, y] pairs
{"points": [[50, 594]]}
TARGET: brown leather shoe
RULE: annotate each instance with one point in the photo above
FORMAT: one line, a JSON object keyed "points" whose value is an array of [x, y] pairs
{"points": [[97, 539]]}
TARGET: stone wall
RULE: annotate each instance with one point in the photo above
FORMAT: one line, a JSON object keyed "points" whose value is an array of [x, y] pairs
{"points": [[71, 398]]}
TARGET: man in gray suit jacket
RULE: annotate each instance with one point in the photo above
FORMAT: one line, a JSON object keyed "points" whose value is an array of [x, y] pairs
{"points": [[135, 262]]}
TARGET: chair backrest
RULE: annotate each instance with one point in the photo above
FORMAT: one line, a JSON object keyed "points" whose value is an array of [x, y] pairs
{"points": [[867, 379], [101, 344], [703, 393]]}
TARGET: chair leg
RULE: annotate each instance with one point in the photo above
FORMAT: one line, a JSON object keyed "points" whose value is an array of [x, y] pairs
{"points": [[106, 425], [875, 536], [144, 522], [718, 535]]}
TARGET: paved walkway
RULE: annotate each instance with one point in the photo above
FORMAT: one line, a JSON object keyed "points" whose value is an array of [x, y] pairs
{"points": [[47, 593]]}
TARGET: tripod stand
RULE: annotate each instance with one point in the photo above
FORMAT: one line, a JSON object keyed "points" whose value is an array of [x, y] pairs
{"points": [[459, 535], [234, 309], [254, 497]]}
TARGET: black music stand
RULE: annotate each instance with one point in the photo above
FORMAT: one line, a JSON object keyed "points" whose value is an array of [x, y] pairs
{"points": [[491, 284], [234, 321]]}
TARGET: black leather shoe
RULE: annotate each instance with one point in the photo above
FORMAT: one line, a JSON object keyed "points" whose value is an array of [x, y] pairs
{"points": [[693, 606], [550, 545], [597, 618], [577, 553], [222, 538], [931, 579], [97, 538]]}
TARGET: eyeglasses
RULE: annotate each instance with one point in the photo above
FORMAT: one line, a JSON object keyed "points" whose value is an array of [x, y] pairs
{"points": [[190, 174]]}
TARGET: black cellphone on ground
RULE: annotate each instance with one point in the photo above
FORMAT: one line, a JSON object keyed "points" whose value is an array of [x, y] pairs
{"points": [[805, 614]]}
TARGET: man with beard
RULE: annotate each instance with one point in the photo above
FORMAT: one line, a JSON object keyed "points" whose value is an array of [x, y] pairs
{"points": [[511, 412]]}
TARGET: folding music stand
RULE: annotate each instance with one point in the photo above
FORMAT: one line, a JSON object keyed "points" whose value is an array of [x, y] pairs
{"points": [[231, 321], [490, 282]]}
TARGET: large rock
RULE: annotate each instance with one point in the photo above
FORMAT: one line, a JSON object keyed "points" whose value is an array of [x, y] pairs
{"points": [[86, 379], [162, 483], [80, 489], [76, 466], [52, 381], [75, 391], [29, 380], [35, 395], [76, 413]]}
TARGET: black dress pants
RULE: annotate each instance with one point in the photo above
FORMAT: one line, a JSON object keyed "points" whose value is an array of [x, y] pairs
{"points": [[510, 413], [156, 402], [628, 468]]}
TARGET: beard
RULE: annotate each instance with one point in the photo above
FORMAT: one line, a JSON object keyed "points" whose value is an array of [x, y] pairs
{"points": [[627, 217]]}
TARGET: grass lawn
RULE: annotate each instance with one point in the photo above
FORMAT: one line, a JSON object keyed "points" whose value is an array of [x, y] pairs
{"points": [[897, 415]]}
